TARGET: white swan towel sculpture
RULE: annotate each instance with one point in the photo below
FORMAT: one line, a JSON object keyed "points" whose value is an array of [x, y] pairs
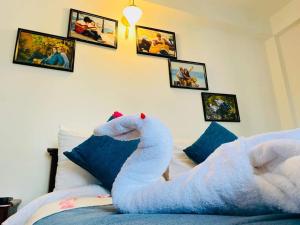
{"points": [[260, 174]]}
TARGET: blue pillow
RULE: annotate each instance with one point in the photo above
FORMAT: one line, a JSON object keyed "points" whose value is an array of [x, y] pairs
{"points": [[214, 136], [103, 157]]}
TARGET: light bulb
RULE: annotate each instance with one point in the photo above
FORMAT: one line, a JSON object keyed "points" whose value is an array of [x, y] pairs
{"points": [[132, 14]]}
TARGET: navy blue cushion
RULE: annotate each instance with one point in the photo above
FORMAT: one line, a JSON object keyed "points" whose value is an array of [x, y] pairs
{"points": [[103, 157], [214, 136]]}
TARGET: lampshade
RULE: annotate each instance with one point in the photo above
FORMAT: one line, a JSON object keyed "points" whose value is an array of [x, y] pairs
{"points": [[132, 13]]}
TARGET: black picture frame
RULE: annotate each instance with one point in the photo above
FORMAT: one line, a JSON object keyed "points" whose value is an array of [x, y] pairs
{"points": [[227, 111], [88, 39], [143, 46], [21, 56], [188, 83]]}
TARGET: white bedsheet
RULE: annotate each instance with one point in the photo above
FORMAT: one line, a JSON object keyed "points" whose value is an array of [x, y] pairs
{"points": [[25, 213]]}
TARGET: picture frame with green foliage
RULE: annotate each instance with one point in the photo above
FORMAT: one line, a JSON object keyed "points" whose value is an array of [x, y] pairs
{"points": [[220, 107], [44, 50]]}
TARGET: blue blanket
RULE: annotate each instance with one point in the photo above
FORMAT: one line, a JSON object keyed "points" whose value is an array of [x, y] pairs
{"points": [[106, 215]]}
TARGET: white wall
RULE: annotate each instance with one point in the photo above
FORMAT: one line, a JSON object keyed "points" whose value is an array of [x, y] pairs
{"points": [[280, 88], [283, 57], [34, 101], [289, 42]]}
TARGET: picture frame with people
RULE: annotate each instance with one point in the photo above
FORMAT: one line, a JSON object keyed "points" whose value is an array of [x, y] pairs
{"points": [[155, 42], [187, 74], [39, 49], [93, 29]]}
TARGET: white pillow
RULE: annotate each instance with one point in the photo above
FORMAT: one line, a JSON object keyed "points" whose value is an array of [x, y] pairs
{"points": [[70, 175], [180, 163]]}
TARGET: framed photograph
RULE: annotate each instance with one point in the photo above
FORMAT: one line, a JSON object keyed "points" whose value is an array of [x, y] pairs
{"points": [[150, 41], [185, 74], [93, 29], [44, 50], [220, 107]]}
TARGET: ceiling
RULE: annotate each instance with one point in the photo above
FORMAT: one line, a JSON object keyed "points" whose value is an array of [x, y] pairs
{"points": [[250, 14]]}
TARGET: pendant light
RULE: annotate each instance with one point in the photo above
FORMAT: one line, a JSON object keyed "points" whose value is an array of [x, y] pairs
{"points": [[132, 13]]}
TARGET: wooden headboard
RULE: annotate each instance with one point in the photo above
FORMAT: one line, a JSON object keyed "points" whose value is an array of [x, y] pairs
{"points": [[53, 152]]}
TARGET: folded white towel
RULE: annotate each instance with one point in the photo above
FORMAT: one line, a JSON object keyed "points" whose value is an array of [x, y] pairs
{"points": [[276, 167], [249, 176]]}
